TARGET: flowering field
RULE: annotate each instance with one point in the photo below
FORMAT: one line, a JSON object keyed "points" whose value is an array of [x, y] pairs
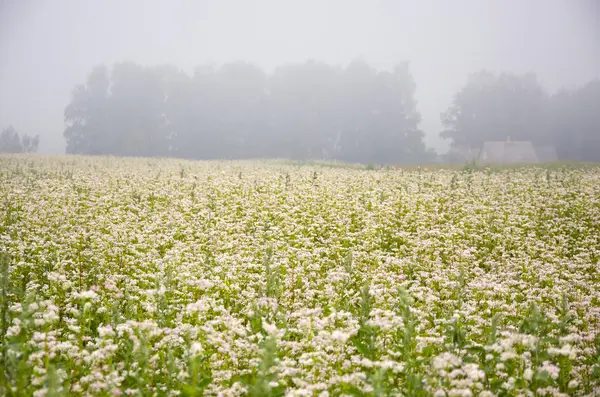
{"points": [[166, 277]]}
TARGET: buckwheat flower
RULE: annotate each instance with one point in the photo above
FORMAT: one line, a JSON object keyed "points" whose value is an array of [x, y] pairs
{"points": [[13, 330], [446, 360], [460, 393], [196, 348], [566, 350], [89, 294], [509, 384], [41, 392], [551, 369], [473, 372], [39, 337], [271, 329], [528, 374], [507, 356], [106, 331], [339, 336]]}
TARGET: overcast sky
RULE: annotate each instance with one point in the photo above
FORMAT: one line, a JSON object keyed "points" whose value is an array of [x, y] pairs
{"points": [[47, 47]]}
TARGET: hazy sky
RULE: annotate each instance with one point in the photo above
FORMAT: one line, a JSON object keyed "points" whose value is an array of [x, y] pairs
{"points": [[47, 47]]}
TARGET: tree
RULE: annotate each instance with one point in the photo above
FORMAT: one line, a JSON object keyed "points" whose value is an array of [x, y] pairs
{"points": [[218, 113], [30, 145], [10, 142], [88, 130], [380, 117], [302, 111], [575, 122], [494, 107], [121, 113]]}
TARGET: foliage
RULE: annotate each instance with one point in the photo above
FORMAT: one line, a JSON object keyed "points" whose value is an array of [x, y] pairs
{"points": [[494, 107], [308, 111], [10, 142]]}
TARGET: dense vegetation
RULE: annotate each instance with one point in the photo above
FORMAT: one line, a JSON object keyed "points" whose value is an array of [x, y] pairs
{"points": [[12, 142], [306, 111], [316, 111], [168, 277]]}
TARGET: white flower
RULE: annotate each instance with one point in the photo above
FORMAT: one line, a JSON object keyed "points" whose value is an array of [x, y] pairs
{"points": [[339, 336], [573, 384], [106, 331], [196, 348], [13, 330], [446, 360], [551, 369], [92, 295], [507, 356], [270, 329], [40, 392]]}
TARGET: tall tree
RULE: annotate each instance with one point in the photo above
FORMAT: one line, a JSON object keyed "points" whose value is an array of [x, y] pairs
{"points": [[137, 111], [494, 107], [575, 122], [302, 111], [10, 141], [380, 117], [88, 128]]}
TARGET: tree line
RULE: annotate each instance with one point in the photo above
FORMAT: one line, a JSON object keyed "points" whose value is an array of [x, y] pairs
{"points": [[312, 110], [300, 111], [493, 107], [12, 142]]}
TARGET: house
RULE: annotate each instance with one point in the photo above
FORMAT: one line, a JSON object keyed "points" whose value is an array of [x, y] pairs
{"points": [[508, 152]]}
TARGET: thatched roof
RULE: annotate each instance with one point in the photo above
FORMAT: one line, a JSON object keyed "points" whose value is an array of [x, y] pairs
{"points": [[504, 152]]}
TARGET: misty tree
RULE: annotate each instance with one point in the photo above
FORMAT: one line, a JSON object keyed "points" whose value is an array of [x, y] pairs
{"points": [[302, 111], [218, 112], [137, 109], [120, 113], [11, 142], [494, 107], [87, 117], [381, 121], [575, 122]]}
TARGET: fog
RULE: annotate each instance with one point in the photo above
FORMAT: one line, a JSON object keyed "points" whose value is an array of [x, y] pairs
{"points": [[48, 47]]}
